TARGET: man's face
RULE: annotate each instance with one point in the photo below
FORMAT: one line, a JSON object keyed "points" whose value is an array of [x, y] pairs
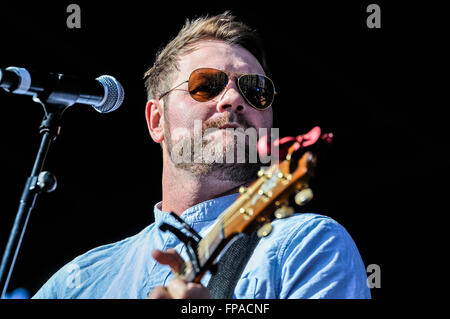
{"points": [[182, 112]]}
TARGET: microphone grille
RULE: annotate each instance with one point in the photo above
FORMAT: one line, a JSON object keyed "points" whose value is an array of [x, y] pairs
{"points": [[114, 94]]}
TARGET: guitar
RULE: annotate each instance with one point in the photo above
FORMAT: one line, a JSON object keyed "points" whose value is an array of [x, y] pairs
{"points": [[265, 199]]}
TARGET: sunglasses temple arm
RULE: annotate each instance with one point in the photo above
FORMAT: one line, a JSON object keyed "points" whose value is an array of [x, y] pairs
{"points": [[165, 93]]}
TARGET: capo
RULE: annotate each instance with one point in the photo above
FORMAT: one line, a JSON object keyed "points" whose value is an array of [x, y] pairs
{"points": [[186, 226], [190, 241]]}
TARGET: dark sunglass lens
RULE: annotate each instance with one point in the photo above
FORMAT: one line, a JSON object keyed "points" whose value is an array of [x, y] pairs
{"points": [[258, 90], [205, 84]]}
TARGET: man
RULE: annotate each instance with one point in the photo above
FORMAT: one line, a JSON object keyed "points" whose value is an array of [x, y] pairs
{"points": [[305, 256]]}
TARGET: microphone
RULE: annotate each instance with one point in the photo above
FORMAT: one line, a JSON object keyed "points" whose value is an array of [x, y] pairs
{"points": [[105, 94]]}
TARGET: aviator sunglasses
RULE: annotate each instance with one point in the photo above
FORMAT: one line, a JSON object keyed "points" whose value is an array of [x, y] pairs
{"points": [[206, 83]]}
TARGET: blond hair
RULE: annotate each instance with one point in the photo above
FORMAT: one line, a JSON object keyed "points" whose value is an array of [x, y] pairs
{"points": [[223, 27]]}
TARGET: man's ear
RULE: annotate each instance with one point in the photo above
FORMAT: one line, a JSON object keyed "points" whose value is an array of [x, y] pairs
{"points": [[155, 120]]}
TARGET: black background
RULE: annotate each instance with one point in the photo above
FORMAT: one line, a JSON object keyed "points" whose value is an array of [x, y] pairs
{"points": [[365, 85]]}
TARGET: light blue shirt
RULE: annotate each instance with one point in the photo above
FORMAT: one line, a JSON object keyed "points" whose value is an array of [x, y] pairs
{"points": [[305, 256]]}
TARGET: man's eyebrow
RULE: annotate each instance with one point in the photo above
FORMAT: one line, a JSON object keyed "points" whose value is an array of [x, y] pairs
{"points": [[238, 74]]}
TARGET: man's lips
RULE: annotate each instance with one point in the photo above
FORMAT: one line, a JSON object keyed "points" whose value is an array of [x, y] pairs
{"points": [[230, 125]]}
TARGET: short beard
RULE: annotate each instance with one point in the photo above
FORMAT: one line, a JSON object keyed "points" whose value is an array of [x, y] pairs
{"points": [[234, 172]]}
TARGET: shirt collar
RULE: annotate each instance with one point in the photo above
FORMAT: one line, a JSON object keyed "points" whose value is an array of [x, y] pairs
{"points": [[204, 211]]}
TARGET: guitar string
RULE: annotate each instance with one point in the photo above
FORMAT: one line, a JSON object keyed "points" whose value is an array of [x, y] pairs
{"points": [[230, 217], [273, 170]]}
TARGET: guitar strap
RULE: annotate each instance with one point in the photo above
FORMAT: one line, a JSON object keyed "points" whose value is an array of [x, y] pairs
{"points": [[230, 266]]}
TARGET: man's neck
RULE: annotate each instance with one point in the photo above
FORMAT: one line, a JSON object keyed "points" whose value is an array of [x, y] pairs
{"points": [[182, 189]]}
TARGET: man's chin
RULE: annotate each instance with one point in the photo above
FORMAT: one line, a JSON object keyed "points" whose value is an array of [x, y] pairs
{"points": [[239, 173], [221, 155]]}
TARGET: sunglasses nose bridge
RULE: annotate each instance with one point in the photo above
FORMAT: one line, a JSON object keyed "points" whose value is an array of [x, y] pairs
{"points": [[234, 82], [231, 97], [230, 81]]}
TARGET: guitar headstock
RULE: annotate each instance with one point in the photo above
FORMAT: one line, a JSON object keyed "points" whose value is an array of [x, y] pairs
{"points": [[268, 197]]}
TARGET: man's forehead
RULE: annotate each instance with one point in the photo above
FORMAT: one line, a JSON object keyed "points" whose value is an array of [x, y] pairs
{"points": [[219, 55]]}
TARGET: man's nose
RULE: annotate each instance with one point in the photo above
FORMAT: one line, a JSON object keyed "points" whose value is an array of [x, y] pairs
{"points": [[231, 99]]}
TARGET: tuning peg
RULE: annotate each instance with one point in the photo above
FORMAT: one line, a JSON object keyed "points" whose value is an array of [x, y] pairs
{"points": [[304, 196], [265, 195], [284, 178], [264, 174], [265, 230], [284, 211], [242, 189], [246, 212]]}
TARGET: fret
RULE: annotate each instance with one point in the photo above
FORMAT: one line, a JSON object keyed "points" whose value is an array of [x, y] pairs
{"points": [[210, 242], [218, 233], [222, 228], [187, 272]]}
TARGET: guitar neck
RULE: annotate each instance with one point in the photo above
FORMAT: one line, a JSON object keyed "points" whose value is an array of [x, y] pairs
{"points": [[265, 199], [229, 224], [208, 249]]}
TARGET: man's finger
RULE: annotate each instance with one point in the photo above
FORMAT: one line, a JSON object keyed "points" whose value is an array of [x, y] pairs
{"points": [[159, 293], [180, 289], [169, 257]]}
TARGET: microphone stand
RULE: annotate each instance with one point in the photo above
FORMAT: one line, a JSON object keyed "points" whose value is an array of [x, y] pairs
{"points": [[39, 181]]}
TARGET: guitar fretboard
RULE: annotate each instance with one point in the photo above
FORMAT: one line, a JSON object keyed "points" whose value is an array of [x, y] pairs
{"points": [[224, 227]]}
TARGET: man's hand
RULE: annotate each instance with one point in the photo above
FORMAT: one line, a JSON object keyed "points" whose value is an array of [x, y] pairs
{"points": [[177, 288]]}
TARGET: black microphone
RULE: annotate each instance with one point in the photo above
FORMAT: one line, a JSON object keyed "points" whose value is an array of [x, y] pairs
{"points": [[104, 93]]}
